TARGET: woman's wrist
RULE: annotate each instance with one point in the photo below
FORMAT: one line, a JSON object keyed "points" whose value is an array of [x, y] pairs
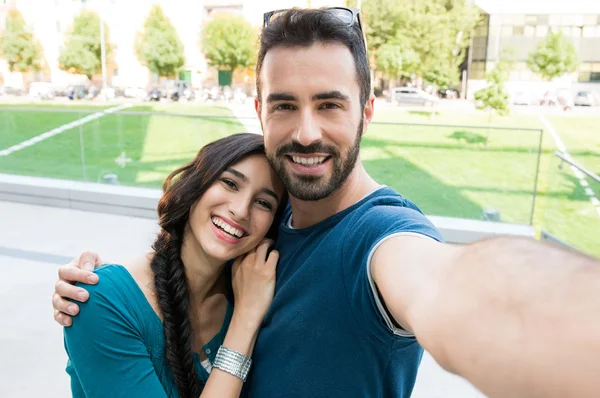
{"points": [[241, 334]]}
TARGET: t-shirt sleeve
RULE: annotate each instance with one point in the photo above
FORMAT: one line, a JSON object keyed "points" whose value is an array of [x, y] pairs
{"points": [[107, 355], [371, 230]]}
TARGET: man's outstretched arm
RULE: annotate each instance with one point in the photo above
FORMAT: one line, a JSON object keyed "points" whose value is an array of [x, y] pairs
{"points": [[515, 317]]}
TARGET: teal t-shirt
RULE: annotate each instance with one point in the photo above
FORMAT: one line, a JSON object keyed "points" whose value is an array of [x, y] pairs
{"points": [[116, 344]]}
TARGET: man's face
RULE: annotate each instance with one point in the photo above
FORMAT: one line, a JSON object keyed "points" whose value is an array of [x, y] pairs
{"points": [[311, 117]]}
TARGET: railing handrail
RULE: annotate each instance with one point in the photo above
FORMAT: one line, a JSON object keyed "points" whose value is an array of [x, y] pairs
{"points": [[568, 159]]}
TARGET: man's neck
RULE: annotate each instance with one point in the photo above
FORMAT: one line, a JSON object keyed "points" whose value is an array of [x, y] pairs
{"points": [[357, 185]]}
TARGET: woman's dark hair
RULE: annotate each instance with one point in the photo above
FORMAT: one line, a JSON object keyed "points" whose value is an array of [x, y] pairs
{"points": [[182, 189], [305, 27]]}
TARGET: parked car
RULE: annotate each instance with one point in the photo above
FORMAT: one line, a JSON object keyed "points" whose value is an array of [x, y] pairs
{"points": [[41, 90], [412, 96], [448, 93], [154, 95], [8, 90], [522, 98], [135, 92], [587, 98]]}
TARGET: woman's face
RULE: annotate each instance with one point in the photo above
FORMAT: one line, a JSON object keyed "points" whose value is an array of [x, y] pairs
{"points": [[236, 212]]}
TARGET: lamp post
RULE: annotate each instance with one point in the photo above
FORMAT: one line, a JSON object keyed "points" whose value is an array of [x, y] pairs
{"points": [[102, 51]]}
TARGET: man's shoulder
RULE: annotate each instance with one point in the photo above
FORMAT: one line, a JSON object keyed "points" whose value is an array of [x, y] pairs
{"points": [[387, 212]]}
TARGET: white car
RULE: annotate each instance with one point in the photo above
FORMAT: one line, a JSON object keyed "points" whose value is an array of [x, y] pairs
{"points": [[41, 90], [522, 98], [587, 98], [412, 96]]}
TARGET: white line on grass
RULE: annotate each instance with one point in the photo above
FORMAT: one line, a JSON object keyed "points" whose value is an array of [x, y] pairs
{"points": [[60, 129], [578, 174]]}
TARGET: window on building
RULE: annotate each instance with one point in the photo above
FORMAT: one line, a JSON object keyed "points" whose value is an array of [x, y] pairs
{"points": [[529, 31], [589, 31], [116, 72], [572, 20], [531, 20], [590, 20], [477, 70], [518, 30], [482, 30], [589, 72], [566, 30], [541, 31], [555, 20], [577, 31], [507, 31], [57, 26]]}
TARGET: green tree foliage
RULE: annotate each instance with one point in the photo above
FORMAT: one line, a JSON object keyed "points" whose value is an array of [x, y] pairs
{"points": [[21, 50], [81, 52], [158, 47], [553, 57], [437, 31], [229, 43], [396, 59], [493, 97]]}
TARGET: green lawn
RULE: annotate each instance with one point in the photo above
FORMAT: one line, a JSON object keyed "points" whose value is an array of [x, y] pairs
{"points": [[462, 180], [449, 171], [152, 145]]}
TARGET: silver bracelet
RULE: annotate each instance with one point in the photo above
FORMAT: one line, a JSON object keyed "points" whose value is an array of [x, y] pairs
{"points": [[232, 362]]}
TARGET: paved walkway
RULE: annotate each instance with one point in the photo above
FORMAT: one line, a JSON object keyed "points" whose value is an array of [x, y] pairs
{"points": [[34, 241]]}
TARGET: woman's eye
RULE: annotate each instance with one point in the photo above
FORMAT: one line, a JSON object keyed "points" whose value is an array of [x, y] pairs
{"points": [[229, 183], [265, 204]]}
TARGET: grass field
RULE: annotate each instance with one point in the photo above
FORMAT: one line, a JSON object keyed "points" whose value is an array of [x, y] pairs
{"points": [[448, 171]]}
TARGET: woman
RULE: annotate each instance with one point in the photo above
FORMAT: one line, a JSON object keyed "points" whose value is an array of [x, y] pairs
{"points": [[156, 326]]}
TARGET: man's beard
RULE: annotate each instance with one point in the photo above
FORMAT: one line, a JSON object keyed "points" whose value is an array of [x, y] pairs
{"points": [[309, 187]]}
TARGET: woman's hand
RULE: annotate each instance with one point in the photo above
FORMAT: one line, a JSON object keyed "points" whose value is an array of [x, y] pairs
{"points": [[253, 281]]}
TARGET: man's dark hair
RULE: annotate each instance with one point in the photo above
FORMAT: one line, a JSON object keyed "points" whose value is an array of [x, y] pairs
{"points": [[305, 27]]}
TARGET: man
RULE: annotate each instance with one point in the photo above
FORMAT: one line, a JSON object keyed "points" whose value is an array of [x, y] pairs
{"points": [[362, 271]]}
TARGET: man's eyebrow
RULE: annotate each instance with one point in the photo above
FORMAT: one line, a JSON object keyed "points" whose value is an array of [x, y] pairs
{"points": [[334, 94], [281, 97], [239, 175]]}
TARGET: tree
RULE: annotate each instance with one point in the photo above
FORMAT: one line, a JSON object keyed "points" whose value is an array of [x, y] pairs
{"points": [[158, 47], [229, 43], [553, 57], [82, 52], [396, 60], [493, 97], [436, 30], [21, 50]]}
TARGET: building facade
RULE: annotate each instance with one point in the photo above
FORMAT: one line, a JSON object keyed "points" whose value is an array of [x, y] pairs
{"points": [[516, 27]]}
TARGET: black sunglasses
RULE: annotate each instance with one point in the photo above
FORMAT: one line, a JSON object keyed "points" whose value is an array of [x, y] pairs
{"points": [[347, 15]]}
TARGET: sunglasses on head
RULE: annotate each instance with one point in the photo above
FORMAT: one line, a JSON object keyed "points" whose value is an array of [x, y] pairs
{"points": [[349, 16]]}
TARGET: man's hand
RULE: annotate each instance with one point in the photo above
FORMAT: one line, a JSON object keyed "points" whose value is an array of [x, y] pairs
{"points": [[78, 270]]}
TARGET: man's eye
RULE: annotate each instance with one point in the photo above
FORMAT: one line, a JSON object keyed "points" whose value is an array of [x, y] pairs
{"points": [[330, 105], [284, 107], [229, 183]]}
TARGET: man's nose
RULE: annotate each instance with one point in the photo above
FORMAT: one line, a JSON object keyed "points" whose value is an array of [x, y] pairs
{"points": [[309, 130]]}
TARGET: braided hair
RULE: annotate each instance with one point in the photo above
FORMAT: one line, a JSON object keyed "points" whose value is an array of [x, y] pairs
{"points": [[182, 189]]}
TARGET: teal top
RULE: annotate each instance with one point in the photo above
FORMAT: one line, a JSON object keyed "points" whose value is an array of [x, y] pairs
{"points": [[116, 344]]}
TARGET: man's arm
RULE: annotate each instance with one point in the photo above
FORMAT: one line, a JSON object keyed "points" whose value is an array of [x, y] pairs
{"points": [[515, 317]]}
